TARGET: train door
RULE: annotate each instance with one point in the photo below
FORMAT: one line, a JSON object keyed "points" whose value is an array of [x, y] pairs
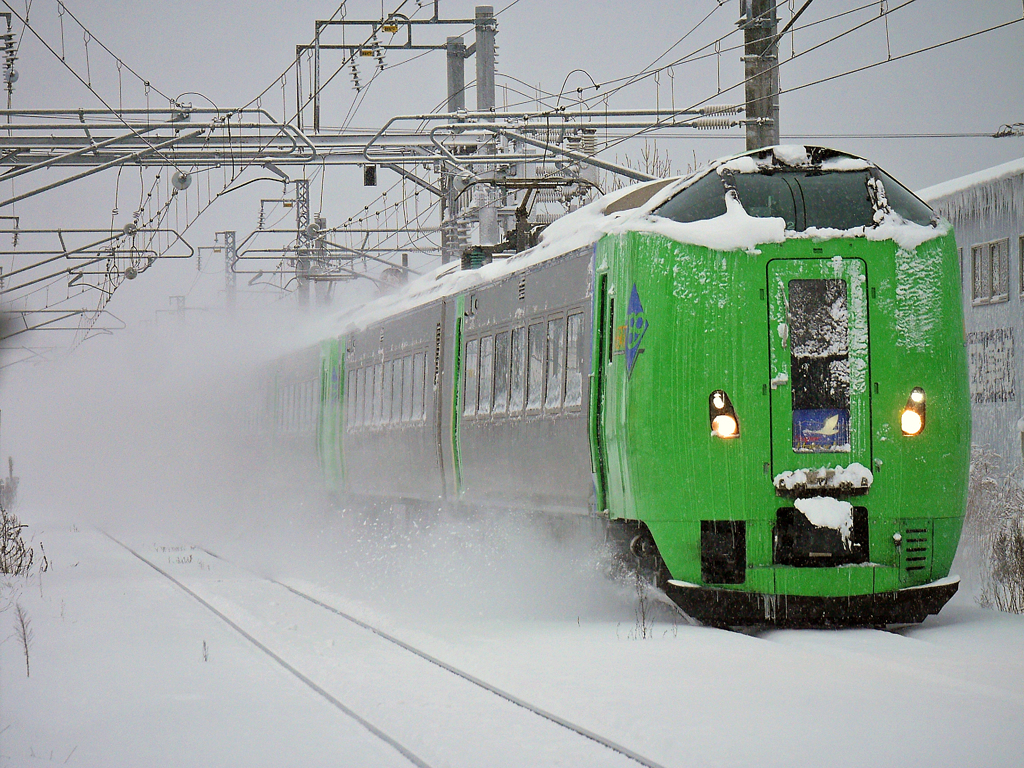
{"points": [[601, 357], [820, 399]]}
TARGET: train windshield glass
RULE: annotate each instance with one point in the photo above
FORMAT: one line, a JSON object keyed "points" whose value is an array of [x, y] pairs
{"points": [[905, 202], [704, 199], [820, 365], [808, 199]]}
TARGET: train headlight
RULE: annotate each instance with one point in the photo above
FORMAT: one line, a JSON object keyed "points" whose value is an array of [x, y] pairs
{"points": [[724, 426], [912, 418], [722, 415]]}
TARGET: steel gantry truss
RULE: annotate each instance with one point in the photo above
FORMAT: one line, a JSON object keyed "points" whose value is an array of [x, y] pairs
{"points": [[485, 169]]}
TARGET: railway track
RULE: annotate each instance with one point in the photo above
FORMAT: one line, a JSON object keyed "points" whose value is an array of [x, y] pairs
{"points": [[604, 750]]}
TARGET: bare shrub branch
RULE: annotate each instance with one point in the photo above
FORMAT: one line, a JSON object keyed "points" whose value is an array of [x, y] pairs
{"points": [[23, 631]]}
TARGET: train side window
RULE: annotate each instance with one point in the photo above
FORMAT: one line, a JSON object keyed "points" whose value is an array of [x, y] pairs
{"points": [[363, 379], [470, 392], [407, 388], [367, 394], [310, 408], [381, 393], [486, 374], [306, 400], [418, 380], [535, 375], [360, 388], [376, 393], [350, 394], [293, 423], [348, 398], [396, 391], [285, 408], [501, 371], [574, 361], [556, 363], [517, 392]]}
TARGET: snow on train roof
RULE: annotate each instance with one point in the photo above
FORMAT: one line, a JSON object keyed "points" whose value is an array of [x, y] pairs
{"points": [[627, 210]]}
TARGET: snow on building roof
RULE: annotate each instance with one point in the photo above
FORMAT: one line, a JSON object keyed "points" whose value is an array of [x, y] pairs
{"points": [[946, 189]]}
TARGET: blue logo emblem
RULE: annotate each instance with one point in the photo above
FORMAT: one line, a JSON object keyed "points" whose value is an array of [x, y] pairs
{"points": [[636, 327]]}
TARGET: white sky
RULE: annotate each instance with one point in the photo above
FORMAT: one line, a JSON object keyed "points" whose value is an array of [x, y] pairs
{"points": [[228, 52]]}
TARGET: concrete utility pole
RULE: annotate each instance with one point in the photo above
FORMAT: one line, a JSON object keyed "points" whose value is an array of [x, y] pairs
{"points": [[456, 74], [456, 54], [760, 22], [486, 29]]}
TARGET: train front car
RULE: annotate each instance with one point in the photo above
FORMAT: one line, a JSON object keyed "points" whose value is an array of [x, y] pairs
{"points": [[782, 393]]}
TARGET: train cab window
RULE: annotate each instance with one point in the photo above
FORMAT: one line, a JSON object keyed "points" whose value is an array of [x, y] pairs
{"points": [[471, 378], [556, 359], [502, 350], [574, 361], [486, 374], [535, 371], [904, 202], [805, 199], [407, 388], [419, 364], [704, 199], [517, 390]]}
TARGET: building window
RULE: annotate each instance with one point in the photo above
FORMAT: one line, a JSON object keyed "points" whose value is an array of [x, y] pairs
{"points": [[1020, 258], [990, 264]]}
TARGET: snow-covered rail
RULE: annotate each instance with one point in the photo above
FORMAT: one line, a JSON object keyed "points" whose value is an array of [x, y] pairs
{"points": [[405, 752], [550, 716], [408, 688], [624, 751]]}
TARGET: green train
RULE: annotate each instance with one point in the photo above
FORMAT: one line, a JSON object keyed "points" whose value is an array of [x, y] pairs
{"points": [[753, 376]]}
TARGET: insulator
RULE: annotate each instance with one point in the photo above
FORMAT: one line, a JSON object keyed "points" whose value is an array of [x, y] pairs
{"points": [[712, 123], [722, 109], [589, 141]]}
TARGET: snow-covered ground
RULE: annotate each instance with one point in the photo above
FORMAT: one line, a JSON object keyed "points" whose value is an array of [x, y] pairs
{"points": [[128, 669]]}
